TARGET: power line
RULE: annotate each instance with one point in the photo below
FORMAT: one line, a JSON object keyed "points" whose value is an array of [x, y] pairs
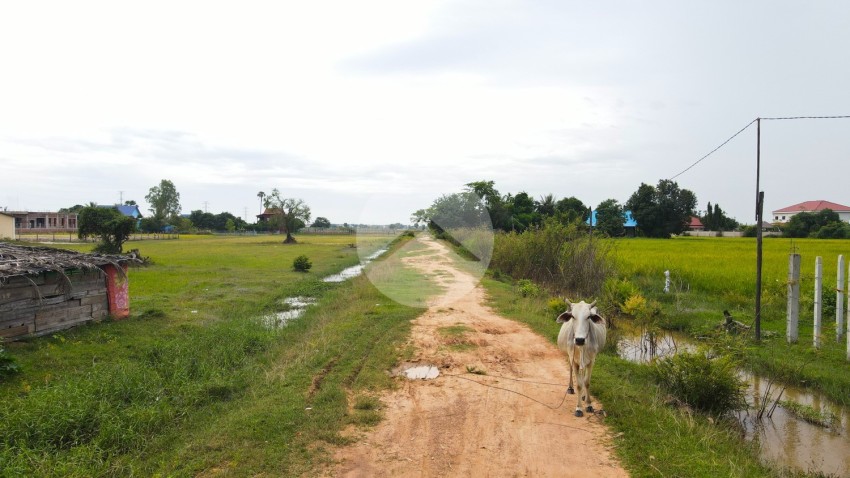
{"points": [[715, 149], [772, 118], [807, 117]]}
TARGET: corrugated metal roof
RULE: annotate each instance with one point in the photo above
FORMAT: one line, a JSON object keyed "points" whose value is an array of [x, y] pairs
{"points": [[814, 206]]}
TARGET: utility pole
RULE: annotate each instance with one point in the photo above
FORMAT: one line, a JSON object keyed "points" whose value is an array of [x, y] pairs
{"points": [[206, 203], [120, 197], [759, 213]]}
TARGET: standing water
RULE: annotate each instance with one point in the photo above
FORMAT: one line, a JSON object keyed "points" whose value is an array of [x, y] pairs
{"points": [[354, 271], [783, 438]]}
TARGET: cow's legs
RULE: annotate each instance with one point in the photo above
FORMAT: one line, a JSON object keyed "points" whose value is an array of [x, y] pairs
{"points": [[570, 389], [580, 384], [587, 400]]}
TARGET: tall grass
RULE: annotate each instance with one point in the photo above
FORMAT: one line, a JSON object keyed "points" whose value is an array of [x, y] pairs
{"points": [[563, 258]]}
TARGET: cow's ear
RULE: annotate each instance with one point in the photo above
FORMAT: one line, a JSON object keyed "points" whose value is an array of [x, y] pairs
{"points": [[596, 318], [564, 317]]}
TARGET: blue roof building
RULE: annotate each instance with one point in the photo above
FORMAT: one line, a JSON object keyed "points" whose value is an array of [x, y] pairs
{"points": [[130, 211], [628, 220]]}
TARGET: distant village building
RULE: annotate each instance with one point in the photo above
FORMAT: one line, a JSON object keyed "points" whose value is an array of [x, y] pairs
{"points": [[695, 224], [629, 222], [27, 222], [44, 289], [7, 226], [269, 213], [785, 214]]}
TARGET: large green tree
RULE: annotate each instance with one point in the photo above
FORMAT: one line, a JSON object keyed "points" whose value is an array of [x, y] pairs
{"points": [[496, 205], [610, 217], [290, 214], [164, 201], [662, 210], [110, 226], [571, 209]]}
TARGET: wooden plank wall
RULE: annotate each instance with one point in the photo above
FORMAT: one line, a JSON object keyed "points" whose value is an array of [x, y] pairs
{"points": [[22, 313]]}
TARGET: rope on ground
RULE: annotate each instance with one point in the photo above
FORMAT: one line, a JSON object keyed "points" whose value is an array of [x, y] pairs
{"points": [[461, 376]]}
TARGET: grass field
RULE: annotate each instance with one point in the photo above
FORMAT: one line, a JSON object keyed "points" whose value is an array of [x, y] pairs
{"points": [[715, 274], [192, 383]]}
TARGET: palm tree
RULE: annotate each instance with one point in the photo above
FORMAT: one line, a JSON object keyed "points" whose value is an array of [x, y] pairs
{"points": [[262, 196]]}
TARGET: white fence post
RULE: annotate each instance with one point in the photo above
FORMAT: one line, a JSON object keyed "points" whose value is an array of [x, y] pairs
{"points": [[818, 300], [793, 317], [839, 301]]}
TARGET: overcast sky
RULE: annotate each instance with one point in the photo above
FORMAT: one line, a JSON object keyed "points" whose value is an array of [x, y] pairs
{"points": [[370, 110]]}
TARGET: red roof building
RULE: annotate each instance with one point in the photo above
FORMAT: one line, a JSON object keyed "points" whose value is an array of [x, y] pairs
{"points": [[695, 224], [785, 214]]}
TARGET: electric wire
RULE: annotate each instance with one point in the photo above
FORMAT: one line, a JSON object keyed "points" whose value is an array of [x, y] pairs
{"points": [[769, 118], [713, 150]]}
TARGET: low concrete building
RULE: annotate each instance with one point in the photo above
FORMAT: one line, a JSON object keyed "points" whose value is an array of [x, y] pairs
{"points": [[31, 222], [7, 226]]}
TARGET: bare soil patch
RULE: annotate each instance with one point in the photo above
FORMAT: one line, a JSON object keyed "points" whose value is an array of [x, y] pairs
{"points": [[473, 424]]}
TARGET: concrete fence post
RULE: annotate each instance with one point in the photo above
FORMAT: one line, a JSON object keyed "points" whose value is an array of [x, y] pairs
{"points": [[839, 301], [818, 300], [793, 316]]}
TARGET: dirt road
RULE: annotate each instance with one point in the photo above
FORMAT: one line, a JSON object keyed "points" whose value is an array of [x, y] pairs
{"points": [[453, 426]]}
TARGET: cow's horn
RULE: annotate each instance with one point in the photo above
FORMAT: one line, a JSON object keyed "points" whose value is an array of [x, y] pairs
{"points": [[592, 303], [568, 302]]}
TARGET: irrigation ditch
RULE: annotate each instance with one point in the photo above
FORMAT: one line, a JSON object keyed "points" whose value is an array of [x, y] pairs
{"points": [[775, 420]]}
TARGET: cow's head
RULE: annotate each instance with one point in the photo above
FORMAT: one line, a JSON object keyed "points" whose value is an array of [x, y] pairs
{"points": [[583, 314]]}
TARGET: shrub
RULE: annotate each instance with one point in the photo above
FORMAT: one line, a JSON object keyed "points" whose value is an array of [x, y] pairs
{"points": [[562, 258], [556, 305], [618, 291], [528, 288], [8, 366], [302, 263], [707, 384]]}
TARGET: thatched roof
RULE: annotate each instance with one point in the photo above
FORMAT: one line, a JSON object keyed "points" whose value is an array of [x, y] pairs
{"points": [[25, 260]]}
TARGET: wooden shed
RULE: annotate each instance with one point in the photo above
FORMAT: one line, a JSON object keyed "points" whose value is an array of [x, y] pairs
{"points": [[43, 290]]}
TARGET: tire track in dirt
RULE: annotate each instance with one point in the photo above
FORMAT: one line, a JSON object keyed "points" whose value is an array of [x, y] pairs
{"points": [[452, 426]]}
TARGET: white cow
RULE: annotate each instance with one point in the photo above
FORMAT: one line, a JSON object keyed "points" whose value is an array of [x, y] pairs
{"points": [[582, 336]]}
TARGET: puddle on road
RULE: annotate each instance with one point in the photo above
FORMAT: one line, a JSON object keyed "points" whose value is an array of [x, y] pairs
{"points": [[783, 439], [354, 271], [417, 371], [297, 307]]}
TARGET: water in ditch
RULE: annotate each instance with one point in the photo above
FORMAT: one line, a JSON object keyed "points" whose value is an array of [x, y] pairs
{"points": [[354, 271], [784, 439]]}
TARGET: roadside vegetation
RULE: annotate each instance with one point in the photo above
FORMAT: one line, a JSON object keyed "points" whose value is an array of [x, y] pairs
{"points": [[652, 436], [689, 396], [710, 275], [193, 383]]}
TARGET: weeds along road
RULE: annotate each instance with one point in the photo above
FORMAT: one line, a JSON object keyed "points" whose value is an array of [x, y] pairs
{"points": [[461, 424]]}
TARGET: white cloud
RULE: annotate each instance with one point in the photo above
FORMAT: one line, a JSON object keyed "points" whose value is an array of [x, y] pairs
{"points": [[342, 101]]}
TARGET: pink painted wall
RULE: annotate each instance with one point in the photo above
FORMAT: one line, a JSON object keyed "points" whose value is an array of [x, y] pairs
{"points": [[118, 291]]}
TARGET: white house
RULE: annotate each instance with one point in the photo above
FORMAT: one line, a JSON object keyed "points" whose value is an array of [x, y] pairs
{"points": [[7, 226], [784, 215]]}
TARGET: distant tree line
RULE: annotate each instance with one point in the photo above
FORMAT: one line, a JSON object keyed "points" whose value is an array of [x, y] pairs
{"points": [[660, 211]]}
